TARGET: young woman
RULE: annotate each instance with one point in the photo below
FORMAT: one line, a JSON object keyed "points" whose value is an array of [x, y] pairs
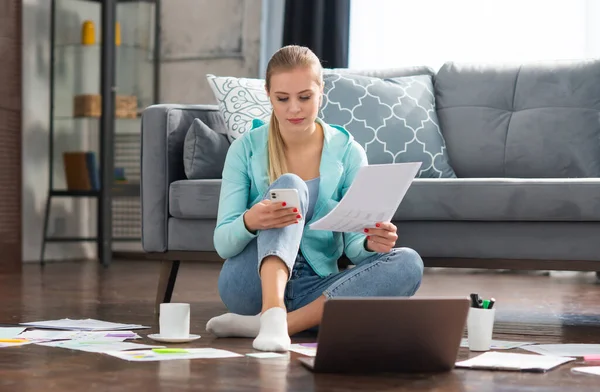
{"points": [[275, 263]]}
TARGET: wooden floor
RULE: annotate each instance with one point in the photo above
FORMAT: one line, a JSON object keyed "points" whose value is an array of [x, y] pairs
{"points": [[534, 307]]}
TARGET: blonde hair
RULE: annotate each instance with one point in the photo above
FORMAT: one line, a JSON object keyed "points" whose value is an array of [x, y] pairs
{"points": [[285, 59]]}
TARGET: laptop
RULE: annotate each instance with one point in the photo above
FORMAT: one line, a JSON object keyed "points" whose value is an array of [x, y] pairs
{"points": [[389, 334]]}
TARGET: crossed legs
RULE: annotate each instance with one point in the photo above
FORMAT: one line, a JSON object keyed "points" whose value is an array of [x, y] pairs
{"points": [[397, 273]]}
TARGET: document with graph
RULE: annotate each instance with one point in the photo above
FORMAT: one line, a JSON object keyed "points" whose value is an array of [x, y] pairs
{"points": [[374, 196]]}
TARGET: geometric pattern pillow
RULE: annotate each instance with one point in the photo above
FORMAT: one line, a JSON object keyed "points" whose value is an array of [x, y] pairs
{"points": [[394, 119], [240, 100]]}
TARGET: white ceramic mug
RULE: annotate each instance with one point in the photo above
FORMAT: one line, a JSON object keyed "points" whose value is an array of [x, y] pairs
{"points": [[174, 320], [480, 326]]}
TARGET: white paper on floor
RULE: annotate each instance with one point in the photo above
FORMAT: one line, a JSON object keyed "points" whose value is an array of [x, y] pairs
{"points": [[45, 335], [595, 370], [189, 353], [82, 325], [266, 355], [10, 332], [2, 345], [564, 350], [499, 344], [493, 360], [99, 346], [304, 349]]}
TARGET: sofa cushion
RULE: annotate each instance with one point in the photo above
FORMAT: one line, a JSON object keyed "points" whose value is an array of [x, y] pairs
{"points": [[471, 199], [194, 199], [204, 151], [537, 120], [393, 119], [464, 199]]}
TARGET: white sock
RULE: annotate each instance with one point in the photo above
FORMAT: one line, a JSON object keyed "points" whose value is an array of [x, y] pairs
{"points": [[234, 325], [273, 334]]}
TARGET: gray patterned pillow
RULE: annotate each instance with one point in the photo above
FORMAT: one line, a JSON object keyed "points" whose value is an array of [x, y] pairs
{"points": [[393, 119]]}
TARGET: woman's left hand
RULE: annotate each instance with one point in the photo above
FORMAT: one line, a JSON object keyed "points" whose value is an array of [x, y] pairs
{"points": [[382, 238]]}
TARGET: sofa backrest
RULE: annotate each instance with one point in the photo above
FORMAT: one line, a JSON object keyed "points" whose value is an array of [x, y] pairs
{"points": [[384, 73], [537, 120]]}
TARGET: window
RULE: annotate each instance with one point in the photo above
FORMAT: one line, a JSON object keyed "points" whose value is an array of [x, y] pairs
{"points": [[397, 33]]}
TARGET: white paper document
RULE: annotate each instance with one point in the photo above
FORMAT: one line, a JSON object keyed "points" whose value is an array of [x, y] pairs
{"points": [[374, 196], [565, 350], [587, 369], [189, 353], [22, 343], [82, 325], [98, 346], [267, 355], [10, 332], [492, 360], [304, 349], [46, 335], [498, 344]]}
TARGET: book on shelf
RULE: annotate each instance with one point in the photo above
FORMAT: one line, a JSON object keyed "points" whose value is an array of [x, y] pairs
{"points": [[81, 171]]}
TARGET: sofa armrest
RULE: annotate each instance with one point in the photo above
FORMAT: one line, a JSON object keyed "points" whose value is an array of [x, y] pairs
{"points": [[163, 132]]}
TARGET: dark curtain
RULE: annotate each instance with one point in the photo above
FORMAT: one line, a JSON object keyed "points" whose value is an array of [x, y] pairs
{"points": [[321, 25]]}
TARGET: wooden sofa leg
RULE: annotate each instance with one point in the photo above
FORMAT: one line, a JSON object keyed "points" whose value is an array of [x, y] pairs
{"points": [[166, 283]]}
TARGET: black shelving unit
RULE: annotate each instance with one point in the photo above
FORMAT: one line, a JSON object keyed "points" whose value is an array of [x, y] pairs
{"points": [[105, 194]]}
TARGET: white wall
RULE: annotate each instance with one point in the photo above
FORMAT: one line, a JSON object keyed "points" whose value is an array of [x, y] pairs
{"points": [[394, 33], [207, 36]]}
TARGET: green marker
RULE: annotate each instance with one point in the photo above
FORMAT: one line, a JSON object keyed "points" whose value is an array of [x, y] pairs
{"points": [[486, 303], [169, 350]]}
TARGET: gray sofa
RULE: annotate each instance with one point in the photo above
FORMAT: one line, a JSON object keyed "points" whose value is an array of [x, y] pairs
{"points": [[523, 140]]}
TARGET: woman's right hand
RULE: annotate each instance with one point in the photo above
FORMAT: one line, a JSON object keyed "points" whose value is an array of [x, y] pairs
{"points": [[268, 215]]}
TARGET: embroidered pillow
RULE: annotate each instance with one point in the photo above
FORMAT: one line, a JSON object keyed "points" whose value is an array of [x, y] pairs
{"points": [[240, 100]]}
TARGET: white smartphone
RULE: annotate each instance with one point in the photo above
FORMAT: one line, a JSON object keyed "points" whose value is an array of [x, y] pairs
{"points": [[289, 196]]}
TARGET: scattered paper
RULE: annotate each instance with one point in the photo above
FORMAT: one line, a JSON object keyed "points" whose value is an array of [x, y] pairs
{"points": [[83, 325], [45, 335], [10, 332], [564, 350], [374, 196], [190, 353], [266, 355], [97, 346], [301, 348], [492, 360], [22, 343], [499, 344], [587, 369]]}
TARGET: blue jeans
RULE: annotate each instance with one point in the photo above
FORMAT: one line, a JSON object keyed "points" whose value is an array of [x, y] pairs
{"points": [[397, 273]]}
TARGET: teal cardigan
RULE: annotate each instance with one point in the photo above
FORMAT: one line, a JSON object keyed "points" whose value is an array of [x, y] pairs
{"points": [[245, 182]]}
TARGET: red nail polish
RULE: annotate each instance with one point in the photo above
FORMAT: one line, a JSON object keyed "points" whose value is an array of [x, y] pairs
{"points": [[298, 216], [296, 221], [368, 237], [377, 225], [284, 204], [366, 230], [295, 210]]}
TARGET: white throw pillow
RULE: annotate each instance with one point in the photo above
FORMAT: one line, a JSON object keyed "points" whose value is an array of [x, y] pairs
{"points": [[240, 101]]}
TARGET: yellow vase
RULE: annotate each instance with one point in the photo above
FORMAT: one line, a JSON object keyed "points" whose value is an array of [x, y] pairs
{"points": [[117, 34], [88, 33]]}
